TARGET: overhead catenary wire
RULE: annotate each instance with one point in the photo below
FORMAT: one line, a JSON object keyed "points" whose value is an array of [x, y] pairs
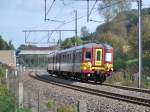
{"points": [[92, 9], [79, 18], [50, 7]]}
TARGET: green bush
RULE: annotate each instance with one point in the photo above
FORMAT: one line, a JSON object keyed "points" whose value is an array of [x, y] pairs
{"points": [[3, 90], [120, 61], [7, 104], [66, 109], [121, 78], [2, 73], [22, 110], [50, 104]]}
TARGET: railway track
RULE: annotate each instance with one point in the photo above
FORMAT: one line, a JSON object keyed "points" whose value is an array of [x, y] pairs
{"points": [[128, 88], [116, 96]]}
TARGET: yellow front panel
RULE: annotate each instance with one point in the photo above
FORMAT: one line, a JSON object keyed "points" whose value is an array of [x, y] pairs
{"points": [[98, 57]]}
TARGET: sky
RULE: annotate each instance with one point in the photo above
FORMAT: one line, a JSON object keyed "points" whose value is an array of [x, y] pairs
{"points": [[19, 15]]}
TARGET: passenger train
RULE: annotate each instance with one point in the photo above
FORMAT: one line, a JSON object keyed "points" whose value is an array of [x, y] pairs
{"points": [[91, 61]]}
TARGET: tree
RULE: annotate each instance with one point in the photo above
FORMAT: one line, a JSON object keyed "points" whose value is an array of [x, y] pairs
{"points": [[22, 47], [3, 44], [146, 33], [84, 32], [111, 8], [66, 43], [70, 42], [10, 45], [6, 46]]}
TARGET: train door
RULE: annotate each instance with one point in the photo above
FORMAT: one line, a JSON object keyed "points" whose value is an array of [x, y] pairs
{"points": [[98, 56]]}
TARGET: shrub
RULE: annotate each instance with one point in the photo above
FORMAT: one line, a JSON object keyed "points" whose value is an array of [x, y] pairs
{"points": [[66, 109], [2, 73], [50, 104]]}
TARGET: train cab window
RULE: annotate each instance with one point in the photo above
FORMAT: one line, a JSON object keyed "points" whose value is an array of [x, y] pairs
{"points": [[88, 55], [98, 55], [108, 57]]}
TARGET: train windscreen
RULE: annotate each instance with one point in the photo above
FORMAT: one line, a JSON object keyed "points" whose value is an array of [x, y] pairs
{"points": [[88, 55]]}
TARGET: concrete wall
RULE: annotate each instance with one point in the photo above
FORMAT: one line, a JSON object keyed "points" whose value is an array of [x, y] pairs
{"points": [[8, 57]]}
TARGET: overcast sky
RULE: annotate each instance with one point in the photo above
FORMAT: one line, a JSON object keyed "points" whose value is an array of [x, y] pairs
{"points": [[18, 15]]}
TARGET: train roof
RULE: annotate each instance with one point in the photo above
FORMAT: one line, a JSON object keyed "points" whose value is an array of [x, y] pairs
{"points": [[107, 46], [89, 45]]}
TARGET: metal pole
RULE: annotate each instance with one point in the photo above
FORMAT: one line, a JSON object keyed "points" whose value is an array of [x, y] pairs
{"points": [[38, 100], [25, 37], [75, 27], [59, 39], [45, 11], [140, 42], [87, 10]]}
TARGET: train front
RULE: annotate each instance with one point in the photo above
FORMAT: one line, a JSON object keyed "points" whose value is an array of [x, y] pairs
{"points": [[97, 61]]}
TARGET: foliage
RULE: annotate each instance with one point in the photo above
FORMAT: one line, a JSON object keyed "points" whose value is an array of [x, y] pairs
{"points": [[6, 46], [111, 8], [120, 30], [3, 90], [70, 42], [23, 46], [2, 73], [22, 110], [146, 61], [121, 78], [7, 102], [10, 45], [50, 104], [66, 109], [84, 32], [119, 63], [110, 39]]}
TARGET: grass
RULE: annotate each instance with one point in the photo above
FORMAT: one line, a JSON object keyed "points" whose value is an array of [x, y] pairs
{"points": [[63, 108], [66, 109], [126, 79], [120, 78], [2, 73], [7, 101], [50, 104]]}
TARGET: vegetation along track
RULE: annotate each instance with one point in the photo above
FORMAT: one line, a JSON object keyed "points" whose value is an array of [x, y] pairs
{"points": [[127, 98]]}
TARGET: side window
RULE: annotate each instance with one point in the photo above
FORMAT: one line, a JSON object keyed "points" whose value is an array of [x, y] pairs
{"points": [[88, 55], [65, 57], [68, 58], [76, 56], [62, 58]]}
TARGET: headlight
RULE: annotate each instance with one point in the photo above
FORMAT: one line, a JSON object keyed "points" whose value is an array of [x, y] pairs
{"points": [[108, 66], [89, 64]]}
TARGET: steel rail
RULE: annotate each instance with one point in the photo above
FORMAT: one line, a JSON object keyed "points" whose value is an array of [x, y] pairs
{"points": [[126, 98], [142, 90]]}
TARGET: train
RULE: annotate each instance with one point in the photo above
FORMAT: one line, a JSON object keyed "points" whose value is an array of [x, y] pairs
{"points": [[92, 61]]}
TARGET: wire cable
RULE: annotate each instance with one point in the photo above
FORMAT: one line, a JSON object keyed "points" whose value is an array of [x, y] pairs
{"points": [[50, 7]]}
